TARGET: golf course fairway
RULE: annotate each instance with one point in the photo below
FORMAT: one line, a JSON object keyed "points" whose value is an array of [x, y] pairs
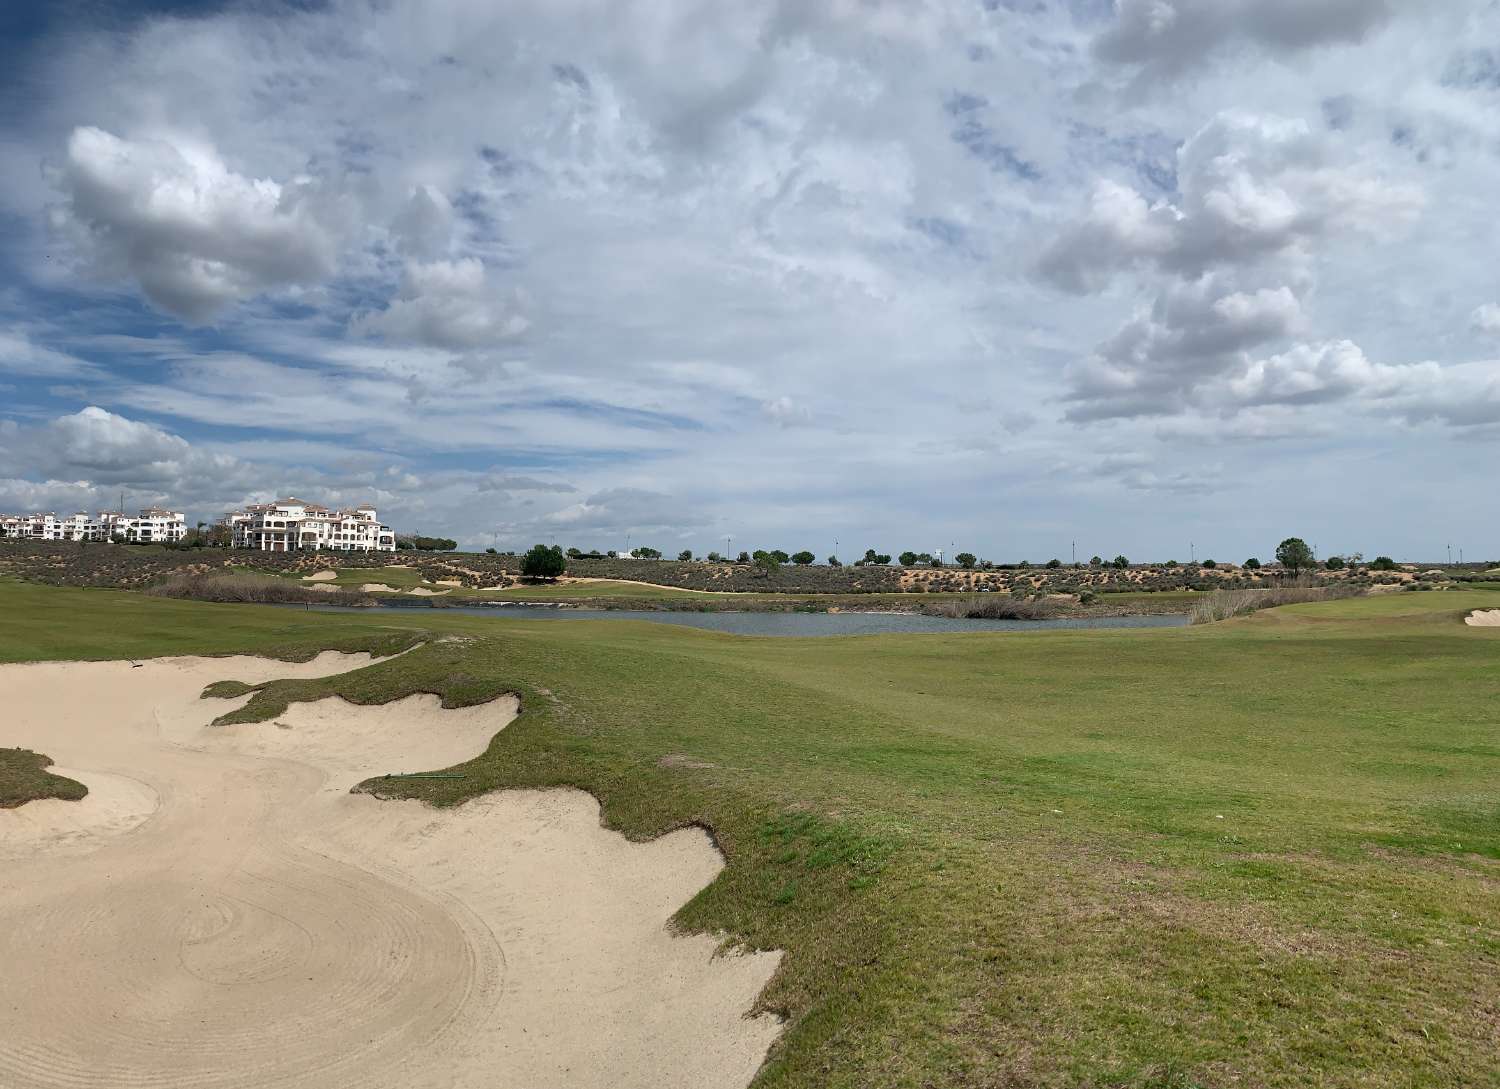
{"points": [[1264, 852]]}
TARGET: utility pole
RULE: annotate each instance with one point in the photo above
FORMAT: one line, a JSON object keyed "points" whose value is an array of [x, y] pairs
{"points": [[1450, 555], [1192, 552], [1075, 553]]}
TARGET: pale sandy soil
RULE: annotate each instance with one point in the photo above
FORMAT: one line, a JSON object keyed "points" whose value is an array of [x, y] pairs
{"points": [[378, 587], [321, 576], [1484, 618], [220, 913], [422, 591], [450, 582]]}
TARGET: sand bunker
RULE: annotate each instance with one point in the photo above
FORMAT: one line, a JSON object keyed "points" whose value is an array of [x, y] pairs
{"points": [[422, 591], [378, 588], [221, 912], [321, 576], [1484, 618]]}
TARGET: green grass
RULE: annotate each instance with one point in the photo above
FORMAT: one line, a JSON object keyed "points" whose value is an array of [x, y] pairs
{"points": [[24, 778], [1258, 853]]}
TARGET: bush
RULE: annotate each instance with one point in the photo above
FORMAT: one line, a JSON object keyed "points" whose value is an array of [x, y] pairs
{"points": [[1335, 563], [543, 562], [1053, 564], [1382, 563], [254, 589], [685, 555], [1224, 604], [1252, 564], [1210, 564], [994, 607]]}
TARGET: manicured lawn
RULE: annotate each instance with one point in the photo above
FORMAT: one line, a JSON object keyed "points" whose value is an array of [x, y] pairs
{"points": [[1260, 853]]}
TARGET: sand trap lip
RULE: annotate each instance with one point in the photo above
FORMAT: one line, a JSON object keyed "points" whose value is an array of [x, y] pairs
{"points": [[1483, 618], [252, 923]]}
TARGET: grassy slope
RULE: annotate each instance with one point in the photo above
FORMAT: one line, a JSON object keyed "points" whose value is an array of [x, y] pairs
{"points": [[24, 778], [1261, 853]]}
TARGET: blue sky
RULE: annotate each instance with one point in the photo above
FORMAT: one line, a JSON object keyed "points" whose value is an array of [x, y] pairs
{"points": [[995, 275]]}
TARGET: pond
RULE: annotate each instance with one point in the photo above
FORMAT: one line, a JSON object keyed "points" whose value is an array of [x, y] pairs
{"points": [[806, 624]]}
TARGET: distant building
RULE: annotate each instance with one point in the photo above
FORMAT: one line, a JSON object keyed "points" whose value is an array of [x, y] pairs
{"points": [[152, 525], [295, 525]]}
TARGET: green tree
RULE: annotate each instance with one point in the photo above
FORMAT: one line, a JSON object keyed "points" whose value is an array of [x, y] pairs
{"points": [[907, 559], [766, 562], [714, 557], [1121, 562], [1096, 561], [573, 554], [966, 560], [803, 558], [1252, 564], [543, 562], [1210, 564], [1335, 563], [833, 561], [685, 555], [1054, 564], [1382, 563], [779, 556], [1294, 555], [743, 557], [644, 553]]}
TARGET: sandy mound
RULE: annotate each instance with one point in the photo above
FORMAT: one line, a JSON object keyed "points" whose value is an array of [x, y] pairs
{"points": [[422, 591], [220, 912], [1484, 618], [450, 582], [378, 588], [321, 576]]}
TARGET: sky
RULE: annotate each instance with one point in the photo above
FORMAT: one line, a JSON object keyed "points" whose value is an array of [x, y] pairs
{"points": [[1026, 278]]}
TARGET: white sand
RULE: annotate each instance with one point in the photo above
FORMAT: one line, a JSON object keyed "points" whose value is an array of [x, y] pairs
{"points": [[422, 591], [378, 588], [321, 576], [1484, 618], [220, 912]]}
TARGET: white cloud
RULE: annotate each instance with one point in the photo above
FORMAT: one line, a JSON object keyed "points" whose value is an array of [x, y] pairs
{"points": [[447, 304], [1486, 319], [1193, 334], [195, 234], [1252, 188]]}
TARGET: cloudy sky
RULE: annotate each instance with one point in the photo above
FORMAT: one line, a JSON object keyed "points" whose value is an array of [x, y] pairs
{"points": [[999, 274]]}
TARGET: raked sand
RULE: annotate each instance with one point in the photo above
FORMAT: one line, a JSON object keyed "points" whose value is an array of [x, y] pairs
{"points": [[221, 912], [1484, 618]]}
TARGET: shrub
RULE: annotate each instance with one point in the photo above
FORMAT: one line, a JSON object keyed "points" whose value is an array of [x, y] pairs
{"points": [[1053, 564], [1335, 563], [255, 589], [994, 607], [1252, 564], [685, 555], [1224, 604], [1382, 563], [543, 562], [1210, 564], [833, 561]]}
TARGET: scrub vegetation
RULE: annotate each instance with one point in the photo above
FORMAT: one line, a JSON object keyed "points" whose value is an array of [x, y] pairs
{"points": [[1260, 852]]}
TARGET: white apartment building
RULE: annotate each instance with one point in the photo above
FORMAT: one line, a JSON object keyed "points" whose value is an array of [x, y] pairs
{"points": [[291, 525], [152, 525]]}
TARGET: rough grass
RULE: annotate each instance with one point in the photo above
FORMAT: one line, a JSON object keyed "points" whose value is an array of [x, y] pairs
{"points": [[251, 589], [1227, 604], [24, 778], [1257, 853], [995, 607]]}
